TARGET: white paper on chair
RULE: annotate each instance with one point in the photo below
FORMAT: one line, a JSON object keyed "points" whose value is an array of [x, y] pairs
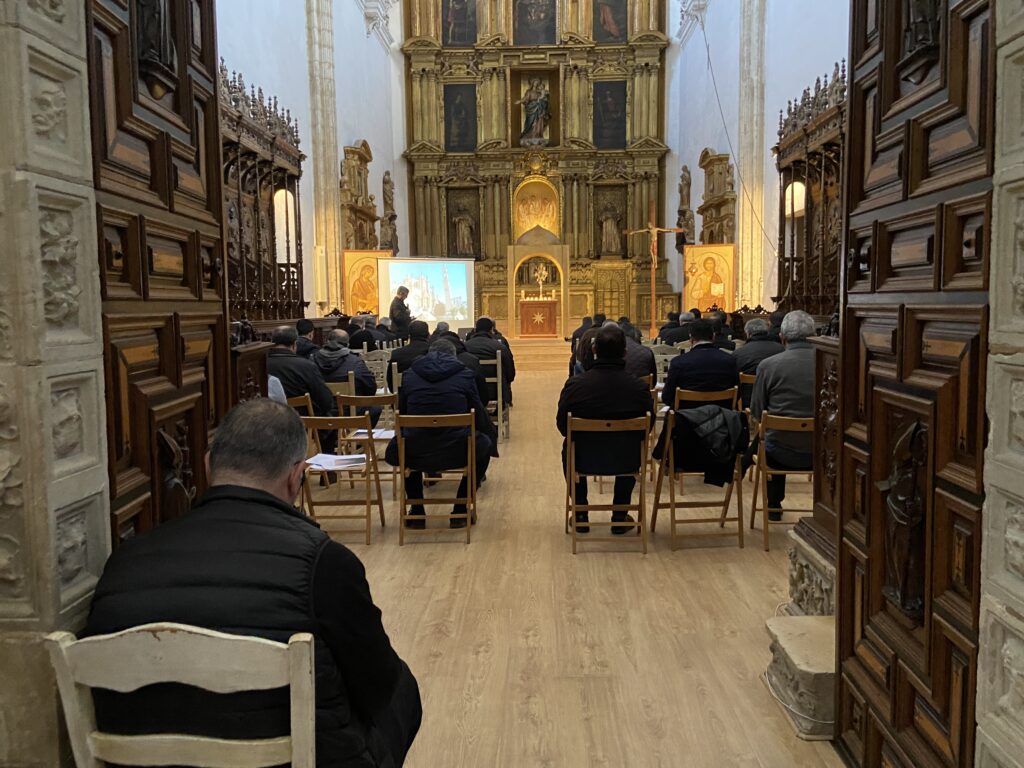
{"points": [[663, 409], [331, 462], [378, 434]]}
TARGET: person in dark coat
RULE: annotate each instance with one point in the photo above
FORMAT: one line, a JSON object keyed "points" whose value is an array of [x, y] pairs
{"points": [[304, 346], [416, 348], [585, 326], [680, 333], [335, 361], [245, 561], [673, 323], [299, 376], [399, 313], [640, 360], [758, 347], [775, 330], [583, 360], [362, 335], [723, 331], [605, 391], [438, 384], [705, 368], [484, 346], [384, 328]]}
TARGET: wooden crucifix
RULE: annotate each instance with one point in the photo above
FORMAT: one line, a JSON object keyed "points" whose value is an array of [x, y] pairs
{"points": [[653, 231]]}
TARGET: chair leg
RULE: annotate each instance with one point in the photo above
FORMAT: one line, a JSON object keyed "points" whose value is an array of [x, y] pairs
{"points": [[641, 514], [376, 478], [573, 503], [753, 496], [672, 511], [765, 523], [657, 494], [402, 511], [725, 505], [739, 499]]}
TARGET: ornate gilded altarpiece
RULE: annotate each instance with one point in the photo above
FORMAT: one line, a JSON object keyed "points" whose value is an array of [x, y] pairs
{"points": [[567, 95]]}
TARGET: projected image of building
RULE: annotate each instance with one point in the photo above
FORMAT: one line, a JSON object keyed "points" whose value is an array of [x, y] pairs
{"points": [[436, 291]]}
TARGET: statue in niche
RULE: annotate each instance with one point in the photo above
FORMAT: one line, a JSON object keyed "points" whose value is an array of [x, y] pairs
{"points": [[158, 58], [389, 234], [904, 522], [922, 25], [536, 114], [464, 233], [389, 194], [611, 235], [685, 182]]}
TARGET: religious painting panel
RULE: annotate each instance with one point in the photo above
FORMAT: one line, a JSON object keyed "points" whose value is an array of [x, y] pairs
{"points": [[611, 21], [534, 22], [610, 206], [463, 209], [536, 212], [458, 23], [361, 275], [710, 277], [610, 111], [460, 118]]}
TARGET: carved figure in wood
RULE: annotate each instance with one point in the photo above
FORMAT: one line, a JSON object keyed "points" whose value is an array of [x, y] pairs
{"points": [[464, 233], [158, 58], [685, 182], [611, 234], [904, 524], [388, 195]]}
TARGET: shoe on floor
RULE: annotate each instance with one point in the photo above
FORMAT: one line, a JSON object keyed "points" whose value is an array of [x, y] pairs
{"points": [[415, 525], [775, 515], [456, 523], [620, 530], [582, 520]]}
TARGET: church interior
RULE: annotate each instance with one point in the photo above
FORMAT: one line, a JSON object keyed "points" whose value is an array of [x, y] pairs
{"points": [[181, 179]]}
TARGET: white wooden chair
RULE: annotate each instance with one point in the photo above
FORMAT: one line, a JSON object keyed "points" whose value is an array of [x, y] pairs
{"points": [[377, 362], [499, 411], [177, 653]]}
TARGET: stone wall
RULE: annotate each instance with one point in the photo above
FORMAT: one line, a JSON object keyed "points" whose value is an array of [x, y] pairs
{"points": [[54, 535], [1000, 738]]}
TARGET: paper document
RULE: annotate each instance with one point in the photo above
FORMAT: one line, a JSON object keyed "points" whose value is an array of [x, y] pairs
{"points": [[332, 462]]}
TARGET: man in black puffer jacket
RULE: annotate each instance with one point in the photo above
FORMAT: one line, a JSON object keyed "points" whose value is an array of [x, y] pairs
{"points": [[246, 562]]}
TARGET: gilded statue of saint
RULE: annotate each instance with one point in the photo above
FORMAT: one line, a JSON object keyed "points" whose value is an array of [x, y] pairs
{"points": [[464, 240], [536, 112], [611, 237]]}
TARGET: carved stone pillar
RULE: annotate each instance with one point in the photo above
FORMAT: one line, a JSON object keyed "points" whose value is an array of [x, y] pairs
{"points": [[749, 237], [325, 158], [1000, 703], [54, 506]]}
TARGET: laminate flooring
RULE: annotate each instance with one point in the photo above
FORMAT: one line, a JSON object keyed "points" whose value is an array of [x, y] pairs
{"points": [[529, 656]]}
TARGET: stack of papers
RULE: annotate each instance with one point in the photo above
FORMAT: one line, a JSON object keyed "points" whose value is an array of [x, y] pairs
{"points": [[378, 434], [332, 462]]}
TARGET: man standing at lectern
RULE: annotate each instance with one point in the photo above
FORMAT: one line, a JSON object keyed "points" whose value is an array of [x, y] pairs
{"points": [[399, 314]]}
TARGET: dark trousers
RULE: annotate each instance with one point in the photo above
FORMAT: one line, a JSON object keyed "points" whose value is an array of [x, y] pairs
{"points": [[414, 483], [399, 722], [779, 457], [622, 494]]}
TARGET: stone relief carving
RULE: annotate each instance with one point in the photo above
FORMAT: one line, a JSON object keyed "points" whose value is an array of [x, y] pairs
{"points": [[6, 351], [809, 589], [1012, 700], [72, 547], [1013, 541], [60, 275], [51, 9], [788, 682], [10, 574], [1017, 414], [66, 409], [49, 109], [828, 415], [1018, 258], [11, 497]]}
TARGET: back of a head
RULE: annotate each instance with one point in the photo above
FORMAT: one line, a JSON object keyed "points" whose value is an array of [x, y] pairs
{"points": [[285, 336], [673, 317], [755, 327], [797, 326], [339, 337], [259, 439], [702, 330], [686, 317], [418, 330], [585, 349], [609, 323], [610, 343], [484, 325], [696, 313], [776, 317], [303, 326], [587, 321], [442, 327], [599, 319], [443, 347], [402, 291], [357, 323], [385, 322]]}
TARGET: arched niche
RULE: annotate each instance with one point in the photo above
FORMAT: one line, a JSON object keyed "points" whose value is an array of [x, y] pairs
{"points": [[556, 257], [536, 211]]}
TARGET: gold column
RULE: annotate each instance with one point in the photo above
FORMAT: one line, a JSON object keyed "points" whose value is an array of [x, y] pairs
{"points": [[420, 245]]}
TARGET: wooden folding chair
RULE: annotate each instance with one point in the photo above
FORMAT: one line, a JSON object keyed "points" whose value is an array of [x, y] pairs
{"points": [[349, 405], [577, 426], [403, 422], [747, 381], [347, 387], [345, 426], [177, 653], [667, 468], [377, 362], [762, 471], [396, 378], [304, 402], [500, 417]]}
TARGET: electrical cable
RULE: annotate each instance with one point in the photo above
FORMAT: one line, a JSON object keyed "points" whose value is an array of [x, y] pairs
{"points": [[801, 715]]}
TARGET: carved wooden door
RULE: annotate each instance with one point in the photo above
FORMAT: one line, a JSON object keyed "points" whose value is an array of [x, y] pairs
{"points": [[918, 204], [156, 156]]}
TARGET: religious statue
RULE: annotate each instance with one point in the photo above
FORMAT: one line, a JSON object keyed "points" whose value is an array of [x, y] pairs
{"points": [[389, 233], [611, 236], [684, 188], [536, 114], [389, 194], [364, 290], [708, 286], [158, 58], [465, 241], [904, 522]]}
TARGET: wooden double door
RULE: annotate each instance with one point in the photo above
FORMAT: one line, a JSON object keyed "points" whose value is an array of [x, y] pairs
{"points": [[157, 165], [918, 203]]}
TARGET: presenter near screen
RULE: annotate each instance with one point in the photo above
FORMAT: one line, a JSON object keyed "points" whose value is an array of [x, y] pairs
{"points": [[399, 314]]}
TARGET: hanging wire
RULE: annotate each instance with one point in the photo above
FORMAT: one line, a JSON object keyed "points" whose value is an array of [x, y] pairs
{"points": [[728, 138]]}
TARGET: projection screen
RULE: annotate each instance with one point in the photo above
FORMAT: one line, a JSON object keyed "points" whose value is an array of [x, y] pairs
{"points": [[439, 289]]}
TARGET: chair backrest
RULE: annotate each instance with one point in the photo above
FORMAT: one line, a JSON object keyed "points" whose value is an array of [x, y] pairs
{"points": [[347, 387], [719, 396], [302, 401], [341, 424], [649, 380], [748, 379], [350, 403], [439, 421], [202, 658], [787, 423], [396, 377], [664, 349], [639, 425]]}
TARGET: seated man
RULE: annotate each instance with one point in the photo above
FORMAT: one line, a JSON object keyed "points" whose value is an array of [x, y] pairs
{"points": [[335, 361], [677, 334], [304, 346], [438, 384], [384, 329], [585, 326], [723, 331], [785, 387], [483, 344], [705, 368], [605, 391], [299, 376], [361, 335], [673, 322], [246, 561], [416, 348], [775, 325], [640, 360], [758, 347]]}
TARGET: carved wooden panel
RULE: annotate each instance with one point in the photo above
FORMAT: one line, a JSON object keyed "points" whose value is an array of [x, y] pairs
{"points": [[157, 167], [914, 340]]}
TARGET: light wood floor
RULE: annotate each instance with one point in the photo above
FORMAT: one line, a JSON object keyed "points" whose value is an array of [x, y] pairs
{"points": [[529, 656]]}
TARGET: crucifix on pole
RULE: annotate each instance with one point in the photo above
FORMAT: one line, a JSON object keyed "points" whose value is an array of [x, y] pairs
{"points": [[653, 231]]}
